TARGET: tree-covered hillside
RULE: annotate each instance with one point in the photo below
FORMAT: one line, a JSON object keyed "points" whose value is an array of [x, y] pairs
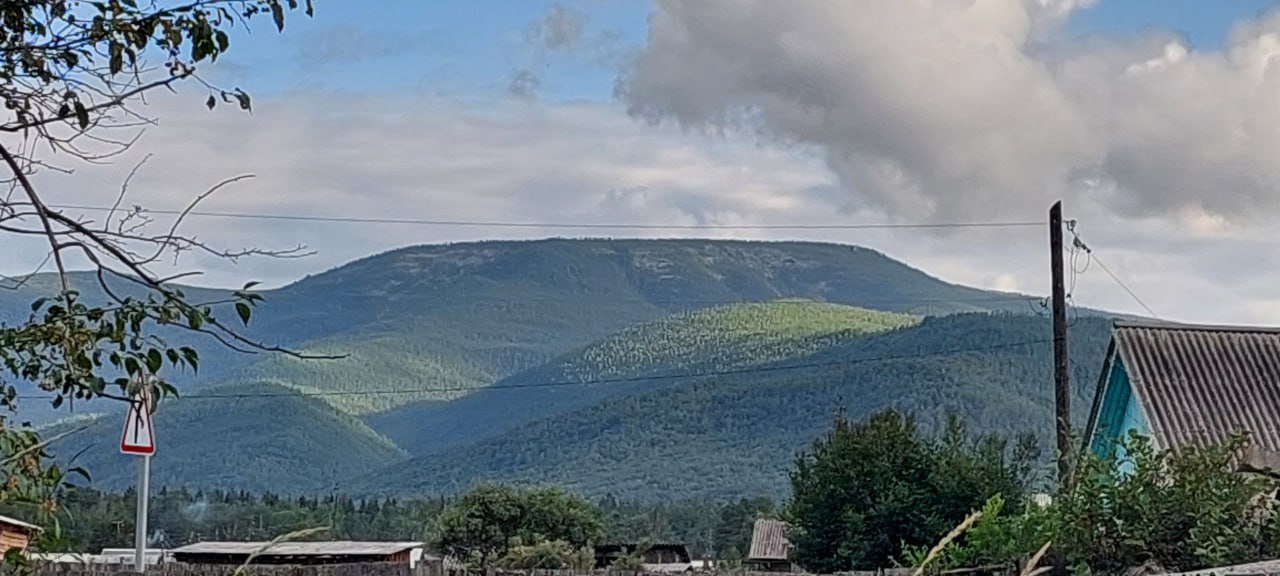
{"points": [[253, 436], [422, 327], [669, 352], [736, 434]]}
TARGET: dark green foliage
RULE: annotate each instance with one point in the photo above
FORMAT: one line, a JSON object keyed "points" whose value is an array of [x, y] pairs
{"points": [[1183, 511], [490, 521], [1179, 512], [866, 490], [735, 435], [94, 520]]}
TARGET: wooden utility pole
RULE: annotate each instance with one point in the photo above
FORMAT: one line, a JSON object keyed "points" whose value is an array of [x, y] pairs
{"points": [[1061, 374]]}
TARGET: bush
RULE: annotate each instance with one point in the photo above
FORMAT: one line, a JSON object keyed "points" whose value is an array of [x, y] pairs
{"points": [[866, 492], [1139, 506], [547, 555]]}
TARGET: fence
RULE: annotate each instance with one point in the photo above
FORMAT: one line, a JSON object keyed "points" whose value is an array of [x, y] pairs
{"points": [[177, 569]]}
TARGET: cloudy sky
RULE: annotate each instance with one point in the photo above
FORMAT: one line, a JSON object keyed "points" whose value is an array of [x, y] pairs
{"points": [[1157, 122]]}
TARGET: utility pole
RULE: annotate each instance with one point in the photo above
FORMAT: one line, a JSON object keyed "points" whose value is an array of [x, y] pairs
{"points": [[1061, 374]]}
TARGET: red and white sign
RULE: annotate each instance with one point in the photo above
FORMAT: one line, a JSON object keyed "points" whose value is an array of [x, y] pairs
{"points": [[138, 437]]}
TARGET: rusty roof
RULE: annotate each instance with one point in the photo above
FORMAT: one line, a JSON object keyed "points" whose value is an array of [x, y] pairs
{"points": [[329, 548], [1199, 384], [769, 540]]}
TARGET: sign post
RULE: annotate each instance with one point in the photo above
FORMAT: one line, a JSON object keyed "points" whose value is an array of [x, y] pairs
{"points": [[139, 439]]}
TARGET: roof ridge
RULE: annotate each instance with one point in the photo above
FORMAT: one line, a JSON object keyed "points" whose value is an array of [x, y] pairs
{"points": [[1171, 325]]}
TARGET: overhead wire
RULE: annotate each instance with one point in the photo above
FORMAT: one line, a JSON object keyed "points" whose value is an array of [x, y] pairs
{"points": [[1078, 244], [563, 225], [599, 381]]}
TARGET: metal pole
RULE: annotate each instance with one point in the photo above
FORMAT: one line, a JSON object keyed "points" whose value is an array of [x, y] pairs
{"points": [[1061, 374], [140, 528]]}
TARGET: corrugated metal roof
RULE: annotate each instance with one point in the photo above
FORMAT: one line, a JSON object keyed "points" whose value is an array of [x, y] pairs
{"points": [[1199, 384], [18, 523], [335, 548], [769, 540]]}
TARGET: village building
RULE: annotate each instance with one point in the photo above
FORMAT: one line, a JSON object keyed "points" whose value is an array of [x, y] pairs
{"points": [[769, 547], [1182, 385], [654, 558], [300, 553], [15, 533]]}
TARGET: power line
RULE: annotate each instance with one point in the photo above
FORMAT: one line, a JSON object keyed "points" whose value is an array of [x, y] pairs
{"points": [[1126, 288], [601, 381], [564, 225], [1078, 245]]}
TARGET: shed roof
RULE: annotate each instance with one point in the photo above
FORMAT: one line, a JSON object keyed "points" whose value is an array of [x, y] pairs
{"points": [[18, 523], [769, 540], [333, 548], [1199, 384]]}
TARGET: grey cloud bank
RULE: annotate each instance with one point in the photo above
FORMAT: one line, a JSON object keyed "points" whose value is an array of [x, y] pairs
{"points": [[952, 109]]}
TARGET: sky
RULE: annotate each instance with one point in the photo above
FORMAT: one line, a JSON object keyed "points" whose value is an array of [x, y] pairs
{"points": [[1156, 122]]}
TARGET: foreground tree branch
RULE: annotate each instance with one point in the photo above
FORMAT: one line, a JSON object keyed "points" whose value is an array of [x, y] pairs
{"points": [[74, 80]]}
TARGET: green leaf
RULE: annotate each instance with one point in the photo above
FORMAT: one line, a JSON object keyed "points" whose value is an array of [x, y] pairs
{"points": [[277, 14], [82, 115], [211, 102], [193, 359], [35, 306], [242, 309], [250, 285], [245, 104], [154, 361], [116, 51]]}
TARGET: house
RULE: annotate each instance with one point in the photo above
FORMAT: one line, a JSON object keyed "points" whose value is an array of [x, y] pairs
{"points": [[769, 547], [297, 553], [1183, 385], [654, 558], [15, 534]]}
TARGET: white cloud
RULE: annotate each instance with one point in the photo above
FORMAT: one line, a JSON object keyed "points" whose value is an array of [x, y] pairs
{"points": [[951, 109], [898, 110]]}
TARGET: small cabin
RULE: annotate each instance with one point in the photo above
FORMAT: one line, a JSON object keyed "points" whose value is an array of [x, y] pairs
{"points": [[1186, 385], [769, 547], [15, 534], [658, 558]]}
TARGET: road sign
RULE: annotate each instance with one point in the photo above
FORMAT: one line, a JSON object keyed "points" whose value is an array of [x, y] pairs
{"points": [[138, 436]]}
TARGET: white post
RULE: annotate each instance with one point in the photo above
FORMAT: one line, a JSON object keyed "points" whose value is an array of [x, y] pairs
{"points": [[140, 527]]}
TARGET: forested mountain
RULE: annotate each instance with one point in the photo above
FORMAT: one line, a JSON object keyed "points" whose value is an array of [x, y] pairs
{"points": [[736, 435], [423, 328], [647, 357]]}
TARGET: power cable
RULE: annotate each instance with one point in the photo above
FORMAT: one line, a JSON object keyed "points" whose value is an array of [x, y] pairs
{"points": [[1078, 245], [565, 225], [597, 381]]}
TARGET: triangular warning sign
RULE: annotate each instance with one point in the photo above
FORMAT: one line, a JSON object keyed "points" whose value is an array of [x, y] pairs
{"points": [[138, 437]]}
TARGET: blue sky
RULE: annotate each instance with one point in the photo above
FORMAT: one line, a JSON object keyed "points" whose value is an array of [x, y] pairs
{"points": [[471, 49], [869, 114]]}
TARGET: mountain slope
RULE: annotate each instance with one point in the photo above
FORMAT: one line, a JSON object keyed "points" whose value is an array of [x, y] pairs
{"points": [[736, 435], [425, 325], [254, 436], [643, 357]]}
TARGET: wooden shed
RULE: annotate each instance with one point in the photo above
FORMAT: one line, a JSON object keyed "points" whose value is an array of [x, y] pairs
{"points": [[15, 534], [332, 552]]}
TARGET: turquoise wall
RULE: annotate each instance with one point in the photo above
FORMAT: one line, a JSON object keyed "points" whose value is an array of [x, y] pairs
{"points": [[1118, 414]]}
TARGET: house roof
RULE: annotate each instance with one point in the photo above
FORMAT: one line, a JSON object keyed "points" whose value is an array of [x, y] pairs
{"points": [[336, 548], [1199, 384], [769, 540], [18, 523]]}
